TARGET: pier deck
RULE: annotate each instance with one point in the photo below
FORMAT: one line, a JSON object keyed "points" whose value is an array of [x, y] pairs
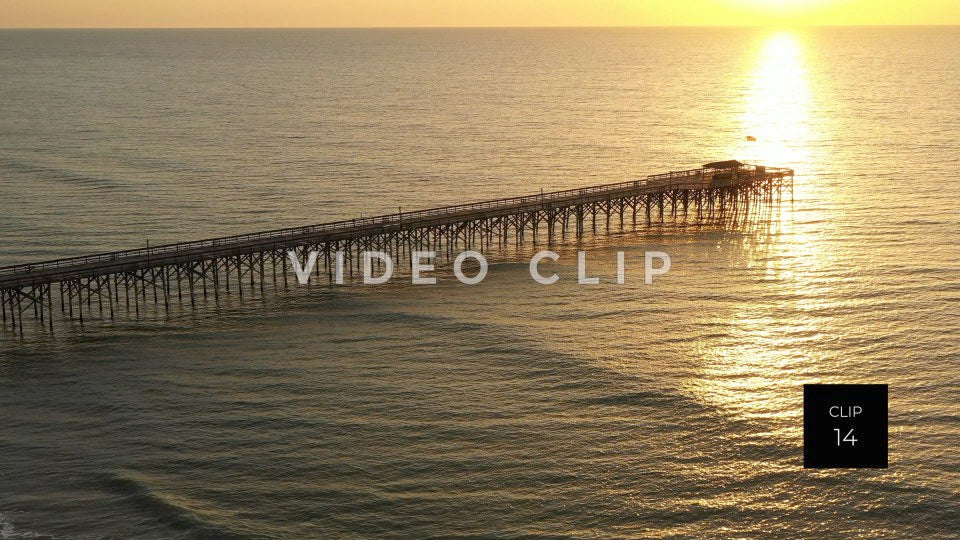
{"points": [[715, 189]]}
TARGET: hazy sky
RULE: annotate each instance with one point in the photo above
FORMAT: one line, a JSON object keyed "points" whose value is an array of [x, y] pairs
{"points": [[306, 13]]}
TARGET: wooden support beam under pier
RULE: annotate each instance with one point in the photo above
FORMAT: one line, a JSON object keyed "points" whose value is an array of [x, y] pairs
{"points": [[717, 192]]}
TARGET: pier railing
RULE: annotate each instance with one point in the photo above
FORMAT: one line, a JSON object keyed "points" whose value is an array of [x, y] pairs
{"points": [[717, 193], [688, 179]]}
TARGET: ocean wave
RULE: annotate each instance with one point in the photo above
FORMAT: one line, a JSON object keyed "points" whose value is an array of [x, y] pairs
{"points": [[171, 511], [9, 532], [48, 172]]}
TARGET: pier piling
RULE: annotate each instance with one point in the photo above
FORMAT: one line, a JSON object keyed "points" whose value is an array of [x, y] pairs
{"points": [[716, 193]]}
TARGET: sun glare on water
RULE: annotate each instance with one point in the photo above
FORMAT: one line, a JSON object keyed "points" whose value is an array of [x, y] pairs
{"points": [[754, 374], [777, 104]]}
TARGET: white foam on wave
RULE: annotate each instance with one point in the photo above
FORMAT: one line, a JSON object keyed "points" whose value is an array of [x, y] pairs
{"points": [[7, 530]]}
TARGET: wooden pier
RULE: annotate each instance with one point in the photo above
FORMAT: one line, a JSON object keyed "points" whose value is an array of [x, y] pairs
{"points": [[123, 283]]}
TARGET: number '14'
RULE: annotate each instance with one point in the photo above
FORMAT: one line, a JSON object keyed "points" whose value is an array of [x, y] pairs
{"points": [[846, 438]]}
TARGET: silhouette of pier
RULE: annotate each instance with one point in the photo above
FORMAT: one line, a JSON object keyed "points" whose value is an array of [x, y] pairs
{"points": [[122, 283]]}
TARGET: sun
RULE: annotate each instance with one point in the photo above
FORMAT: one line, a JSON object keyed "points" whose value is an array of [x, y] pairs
{"points": [[779, 12], [781, 6], [779, 2]]}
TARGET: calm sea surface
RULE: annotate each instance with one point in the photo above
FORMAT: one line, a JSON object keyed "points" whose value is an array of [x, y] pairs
{"points": [[506, 408]]}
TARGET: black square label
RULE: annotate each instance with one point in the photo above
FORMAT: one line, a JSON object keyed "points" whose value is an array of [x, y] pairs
{"points": [[844, 426]]}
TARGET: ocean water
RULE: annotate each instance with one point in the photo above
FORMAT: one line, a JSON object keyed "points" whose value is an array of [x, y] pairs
{"points": [[507, 408]]}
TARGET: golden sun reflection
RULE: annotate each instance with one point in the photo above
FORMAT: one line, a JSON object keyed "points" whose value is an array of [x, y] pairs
{"points": [[777, 105], [756, 371]]}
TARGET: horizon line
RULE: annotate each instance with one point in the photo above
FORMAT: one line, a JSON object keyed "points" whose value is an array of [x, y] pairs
{"points": [[519, 27]]}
